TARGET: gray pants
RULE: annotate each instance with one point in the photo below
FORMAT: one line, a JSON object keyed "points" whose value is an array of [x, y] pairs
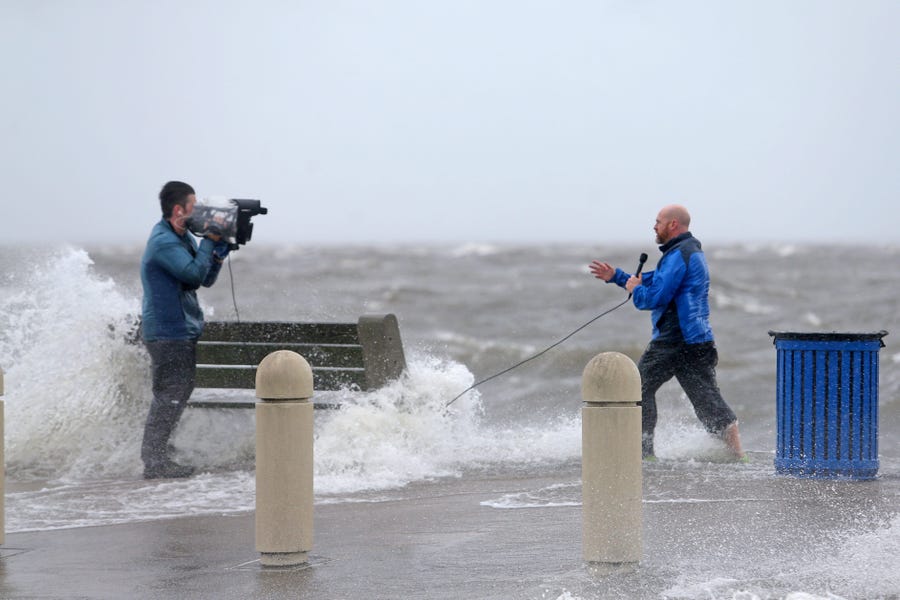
{"points": [[174, 363], [694, 366]]}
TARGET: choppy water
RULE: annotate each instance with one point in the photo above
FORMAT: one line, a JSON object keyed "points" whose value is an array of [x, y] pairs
{"points": [[77, 393]]}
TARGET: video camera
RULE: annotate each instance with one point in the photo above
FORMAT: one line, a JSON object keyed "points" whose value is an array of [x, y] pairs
{"points": [[228, 218]]}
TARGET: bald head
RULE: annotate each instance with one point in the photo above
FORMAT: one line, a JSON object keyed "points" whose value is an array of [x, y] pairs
{"points": [[677, 213], [672, 221]]}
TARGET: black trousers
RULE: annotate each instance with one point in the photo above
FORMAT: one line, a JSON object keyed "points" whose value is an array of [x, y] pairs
{"points": [[694, 366], [174, 364]]}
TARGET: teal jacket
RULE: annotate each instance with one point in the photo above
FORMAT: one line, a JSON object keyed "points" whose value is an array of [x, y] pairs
{"points": [[677, 292], [172, 268]]}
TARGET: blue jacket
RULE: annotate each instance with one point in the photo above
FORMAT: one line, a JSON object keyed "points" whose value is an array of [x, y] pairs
{"points": [[172, 268], [677, 292]]}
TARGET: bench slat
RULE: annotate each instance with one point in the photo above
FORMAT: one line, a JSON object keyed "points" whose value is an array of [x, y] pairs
{"points": [[360, 356], [280, 332], [318, 355], [209, 376], [227, 403]]}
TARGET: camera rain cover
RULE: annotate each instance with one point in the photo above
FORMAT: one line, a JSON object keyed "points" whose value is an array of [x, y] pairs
{"points": [[215, 215]]}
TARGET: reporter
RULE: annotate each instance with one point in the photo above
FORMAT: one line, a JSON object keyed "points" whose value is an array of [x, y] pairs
{"points": [[682, 346]]}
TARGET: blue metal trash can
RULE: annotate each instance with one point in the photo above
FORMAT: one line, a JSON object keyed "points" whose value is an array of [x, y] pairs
{"points": [[827, 404]]}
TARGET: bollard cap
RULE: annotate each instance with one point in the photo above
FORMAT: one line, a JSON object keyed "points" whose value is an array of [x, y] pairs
{"points": [[284, 375], [611, 378]]}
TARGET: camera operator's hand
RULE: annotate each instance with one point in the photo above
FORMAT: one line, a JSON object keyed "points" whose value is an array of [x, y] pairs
{"points": [[221, 250], [213, 232]]}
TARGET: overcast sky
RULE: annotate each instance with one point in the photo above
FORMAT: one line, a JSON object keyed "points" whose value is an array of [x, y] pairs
{"points": [[454, 120]]}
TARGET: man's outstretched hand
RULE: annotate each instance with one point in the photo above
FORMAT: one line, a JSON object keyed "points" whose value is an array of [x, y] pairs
{"points": [[602, 270]]}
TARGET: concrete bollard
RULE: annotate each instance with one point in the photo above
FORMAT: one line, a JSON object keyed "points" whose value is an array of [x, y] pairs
{"points": [[611, 460], [284, 459]]}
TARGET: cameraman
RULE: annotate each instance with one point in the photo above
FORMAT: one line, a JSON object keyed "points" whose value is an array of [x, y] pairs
{"points": [[172, 268]]}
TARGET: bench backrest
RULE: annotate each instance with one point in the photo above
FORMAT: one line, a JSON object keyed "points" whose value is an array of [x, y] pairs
{"points": [[364, 355]]}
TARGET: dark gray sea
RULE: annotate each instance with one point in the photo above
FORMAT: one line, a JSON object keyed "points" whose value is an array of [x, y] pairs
{"points": [[76, 392]]}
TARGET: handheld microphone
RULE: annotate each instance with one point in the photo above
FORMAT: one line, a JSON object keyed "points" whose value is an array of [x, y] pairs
{"points": [[641, 260]]}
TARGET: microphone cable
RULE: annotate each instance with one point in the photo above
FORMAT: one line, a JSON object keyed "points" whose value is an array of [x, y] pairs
{"points": [[643, 259], [233, 298]]}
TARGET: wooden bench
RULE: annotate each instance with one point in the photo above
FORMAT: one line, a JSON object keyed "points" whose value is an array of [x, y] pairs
{"points": [[360, 356]]}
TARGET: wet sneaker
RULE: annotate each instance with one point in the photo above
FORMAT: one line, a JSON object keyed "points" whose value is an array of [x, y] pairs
{"points": [[168, 470], [649, 458]]}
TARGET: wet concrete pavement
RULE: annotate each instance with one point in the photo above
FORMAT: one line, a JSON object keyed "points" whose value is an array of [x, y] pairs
{"points": [[715, 522]]}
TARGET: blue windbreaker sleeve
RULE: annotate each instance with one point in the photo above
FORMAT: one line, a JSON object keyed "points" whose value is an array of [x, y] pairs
{"points": [[178, 262], [659, 286], [619, 278]]}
